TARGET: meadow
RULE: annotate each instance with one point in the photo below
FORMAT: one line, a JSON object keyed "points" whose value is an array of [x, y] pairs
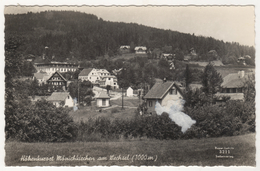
{"points": [[240, 151]]}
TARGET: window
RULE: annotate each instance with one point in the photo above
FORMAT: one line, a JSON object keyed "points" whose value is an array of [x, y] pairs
{"points": [[108, 78], [150, 103], [114, 83], [68, 97], [173, 91]]}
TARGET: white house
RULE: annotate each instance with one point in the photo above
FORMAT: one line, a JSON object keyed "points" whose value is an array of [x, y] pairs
{"points": [[98, 76], [129, 92], [162, 92], [103, 100], [52, 67], [140, 50], [61, 98]]}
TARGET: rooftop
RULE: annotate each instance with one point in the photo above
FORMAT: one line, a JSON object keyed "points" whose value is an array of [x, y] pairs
{"points": [[85, 72], [58, 96], [159, 90], [103, 95]]}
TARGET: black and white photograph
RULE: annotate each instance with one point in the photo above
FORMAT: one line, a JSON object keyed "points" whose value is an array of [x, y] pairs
{"points": [[129, 85]]}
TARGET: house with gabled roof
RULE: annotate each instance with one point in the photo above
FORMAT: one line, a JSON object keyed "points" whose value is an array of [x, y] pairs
{"points": [[232, 86], [162, 92], [124, 49], [103, 99], [140, 50], [57, 81], [61, 99], [41, 77]]}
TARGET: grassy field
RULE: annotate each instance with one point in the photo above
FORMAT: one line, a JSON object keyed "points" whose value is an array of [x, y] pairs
{"points": [[195, 152], [128, 101], [85, 113]]}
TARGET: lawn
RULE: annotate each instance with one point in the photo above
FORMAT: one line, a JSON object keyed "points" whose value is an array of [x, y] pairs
{"points": [[128, 101], [194, 152], [84, 113]]}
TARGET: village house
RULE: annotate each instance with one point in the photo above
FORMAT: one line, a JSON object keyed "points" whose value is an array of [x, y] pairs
{"points": [[41, 77], [98, 76], [129, 92], [140, 50], [167, 56], [61, 99], [52, 67], [103, 99], [232, 86], [124, 49], [162, 92], [57, 82]]}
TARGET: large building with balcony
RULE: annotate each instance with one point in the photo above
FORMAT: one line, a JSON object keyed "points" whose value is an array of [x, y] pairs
{"points": [[52, 67]]}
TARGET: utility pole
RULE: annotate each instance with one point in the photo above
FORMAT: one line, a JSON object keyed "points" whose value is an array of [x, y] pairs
{"points": [[78, 92]]}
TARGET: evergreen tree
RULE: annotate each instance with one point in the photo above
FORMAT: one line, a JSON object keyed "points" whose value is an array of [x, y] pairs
{"points": [[188, 76], [211, 81]]}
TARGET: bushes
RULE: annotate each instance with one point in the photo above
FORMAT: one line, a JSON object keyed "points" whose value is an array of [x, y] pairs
{"points": [[45, 123], [159, 127], [234, 118]]}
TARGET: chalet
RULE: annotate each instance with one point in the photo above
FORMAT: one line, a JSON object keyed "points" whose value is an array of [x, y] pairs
{"points": [[57, 82], [124, 49], [52, 67], [140, 50], [103, 99], [61, 99], [162, 92], [98, 76], [41, 77], [232, 86], [241, 60]]}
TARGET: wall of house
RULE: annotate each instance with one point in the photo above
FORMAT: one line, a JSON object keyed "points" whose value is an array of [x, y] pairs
{"points": [[169, 96], [100, 104], [69, 102], [151, 105]]}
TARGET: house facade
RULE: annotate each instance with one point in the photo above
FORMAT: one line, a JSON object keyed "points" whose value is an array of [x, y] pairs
{"points": [[103, 99], [52, 67], [99, 76], [140, 50], [61, 99], [162, 93], [57, 82], [129, 92], [124, 49]]}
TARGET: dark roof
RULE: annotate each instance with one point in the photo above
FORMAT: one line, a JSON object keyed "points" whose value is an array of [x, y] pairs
{"points": [[59, 75], [160, 89], [103, 95], [85, 72], [58, 96], [233, 96]]}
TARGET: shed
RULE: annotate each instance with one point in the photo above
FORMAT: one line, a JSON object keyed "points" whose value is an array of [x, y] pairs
{"points": [[129, 92], [103, 99]]}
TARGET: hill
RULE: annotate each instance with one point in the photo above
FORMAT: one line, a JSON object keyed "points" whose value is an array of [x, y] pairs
{"points": [[65, 35]]}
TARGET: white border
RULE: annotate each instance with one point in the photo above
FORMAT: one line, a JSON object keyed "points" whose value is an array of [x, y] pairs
{"points": [[125, 2]]}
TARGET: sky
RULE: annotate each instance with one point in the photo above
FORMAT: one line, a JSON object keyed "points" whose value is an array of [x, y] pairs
{"points": [[227, 23]]}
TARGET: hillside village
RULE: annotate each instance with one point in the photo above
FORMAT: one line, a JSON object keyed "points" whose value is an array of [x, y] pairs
{"points": [[70, 84]]}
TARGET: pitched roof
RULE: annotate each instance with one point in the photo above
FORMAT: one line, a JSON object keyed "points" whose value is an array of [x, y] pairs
{"points": [[103, 95], [58, 96], [232, 81], [58, 74], [85, 72], [40, 75], [160, 89], [140, 47]]}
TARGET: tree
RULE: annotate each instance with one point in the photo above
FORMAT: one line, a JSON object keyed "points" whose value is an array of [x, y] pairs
{"points": [[211, 81], [188, 76]]}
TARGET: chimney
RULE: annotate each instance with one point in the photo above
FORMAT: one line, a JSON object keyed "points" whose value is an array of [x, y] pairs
{"points": [[164, 80], [241, 74]]}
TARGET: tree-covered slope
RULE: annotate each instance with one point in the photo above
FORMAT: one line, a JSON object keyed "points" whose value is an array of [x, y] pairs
{"points": [[82, 36]]}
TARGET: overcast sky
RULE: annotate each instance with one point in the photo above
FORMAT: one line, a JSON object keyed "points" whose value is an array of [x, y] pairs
{"points": [[227, 23]]}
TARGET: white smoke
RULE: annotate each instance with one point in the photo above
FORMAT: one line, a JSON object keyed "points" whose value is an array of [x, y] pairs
{"points": [[174, 109]]}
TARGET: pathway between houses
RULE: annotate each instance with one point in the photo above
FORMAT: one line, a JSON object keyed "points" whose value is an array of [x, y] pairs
{"points": [[114, 106]]}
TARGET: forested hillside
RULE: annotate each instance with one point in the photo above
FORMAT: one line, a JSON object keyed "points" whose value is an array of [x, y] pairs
{"points": [[62, 35]]}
